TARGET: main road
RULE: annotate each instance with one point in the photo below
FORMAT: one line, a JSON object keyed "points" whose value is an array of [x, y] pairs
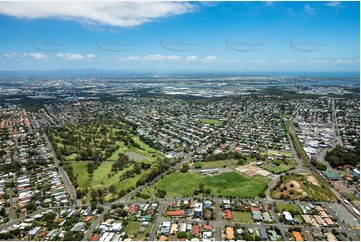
{"points": [[158, 220], [11, 205], [68, 184]]}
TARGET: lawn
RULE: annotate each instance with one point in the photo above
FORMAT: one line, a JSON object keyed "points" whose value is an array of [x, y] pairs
{"points": [[100, 175], [144, 146], [100, 178], [80, 171], [225, 184], [133, 227], [211, 121], [242, 217], [116, 153], [280, 152], [217, 164], [287, 207]]}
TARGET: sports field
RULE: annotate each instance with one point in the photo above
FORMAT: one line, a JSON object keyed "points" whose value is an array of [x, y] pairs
{"points": [[226, 184]]}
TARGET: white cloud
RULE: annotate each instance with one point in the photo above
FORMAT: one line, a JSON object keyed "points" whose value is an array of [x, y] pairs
{"points": [[288, 61], [123, 14], [89, 56], [38, 56], [255, 61], [71, 56], [191, 58], [333, 4], [11, 55], [161, 57], [147, 58], [210, 58], [334, 61], [352, 61], [310, 10]]}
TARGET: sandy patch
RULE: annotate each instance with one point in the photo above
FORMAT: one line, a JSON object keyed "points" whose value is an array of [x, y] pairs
{"points": [[296, 187], [313, 180]]}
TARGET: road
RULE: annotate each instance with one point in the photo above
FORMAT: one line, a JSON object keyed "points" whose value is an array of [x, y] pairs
{"points": [[68, 185], [95, 224], [158, 221], [337, 140], [270, 187], [11, 205], [218, 229]]}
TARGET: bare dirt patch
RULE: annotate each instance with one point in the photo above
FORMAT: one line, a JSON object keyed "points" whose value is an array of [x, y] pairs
{"points": [[296, 187], [313, 180], [341, 188], [135, 156], [291, 186]]}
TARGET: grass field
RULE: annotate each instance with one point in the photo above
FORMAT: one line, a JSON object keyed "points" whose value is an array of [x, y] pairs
{"points": [[277, 152], [211, 121], [278, 169], [100, 178], [242, 217], [133, 227], [116, 153], [144, 146], [287, 207], [226, 184], [81, 173], [217, 164]]}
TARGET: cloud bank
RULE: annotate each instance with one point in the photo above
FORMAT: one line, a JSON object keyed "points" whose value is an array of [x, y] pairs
{"points": [[120, 14]]}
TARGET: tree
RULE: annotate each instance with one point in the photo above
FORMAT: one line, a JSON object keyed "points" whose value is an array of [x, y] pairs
{"points": [[201, 186], [184, 168], [90, 168], [113, 190]]}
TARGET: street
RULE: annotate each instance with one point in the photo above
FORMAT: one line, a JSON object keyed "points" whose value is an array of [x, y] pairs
{"points": [[62, 173]]}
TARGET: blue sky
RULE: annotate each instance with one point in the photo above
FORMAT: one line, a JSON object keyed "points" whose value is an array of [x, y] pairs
{"points": [[173, 36]]}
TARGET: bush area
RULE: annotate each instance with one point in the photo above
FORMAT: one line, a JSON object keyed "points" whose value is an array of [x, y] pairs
{"points": [[340, 156]]}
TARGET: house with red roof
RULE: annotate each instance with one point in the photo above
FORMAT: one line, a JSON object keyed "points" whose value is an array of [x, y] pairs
{"points": [[196, 230], [227, 214], [207, 227], [176, 213]]}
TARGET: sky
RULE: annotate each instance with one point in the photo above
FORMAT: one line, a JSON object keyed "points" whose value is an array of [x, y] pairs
{"points": [[176, 36]]}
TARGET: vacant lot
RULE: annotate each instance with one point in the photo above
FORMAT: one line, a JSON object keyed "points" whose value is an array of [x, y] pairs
{"points": [[242, 217], [288, 207], [226, 184], [131, 229], [302, 186]]}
